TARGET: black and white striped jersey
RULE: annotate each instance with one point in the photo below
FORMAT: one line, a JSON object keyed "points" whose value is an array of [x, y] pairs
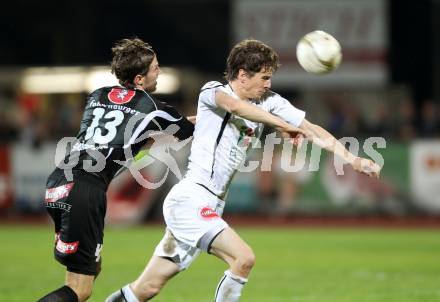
{"points": [[116, 124]]}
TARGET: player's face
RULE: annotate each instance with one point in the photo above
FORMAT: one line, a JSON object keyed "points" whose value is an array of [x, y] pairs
{"points": [[149, 81], [258, 84]]}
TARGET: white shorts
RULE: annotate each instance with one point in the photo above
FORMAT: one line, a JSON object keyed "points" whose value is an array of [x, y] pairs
{"points": [[193, 218]]}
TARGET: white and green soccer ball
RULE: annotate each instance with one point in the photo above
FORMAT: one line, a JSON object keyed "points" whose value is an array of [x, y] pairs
{"points": [[319, 52]]}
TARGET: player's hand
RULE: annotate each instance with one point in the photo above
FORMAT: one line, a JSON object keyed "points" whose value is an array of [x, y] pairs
{"points": [[192, 119], [296, 135], [296, 140], [293, 131], [366, 166]]}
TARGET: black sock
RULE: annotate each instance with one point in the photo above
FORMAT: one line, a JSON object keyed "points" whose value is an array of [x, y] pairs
{"points": [[63, 294]]}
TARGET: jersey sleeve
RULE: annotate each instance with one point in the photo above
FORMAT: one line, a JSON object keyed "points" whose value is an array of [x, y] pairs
{"points": [[282, 108], [207, 93], [185, 127]]}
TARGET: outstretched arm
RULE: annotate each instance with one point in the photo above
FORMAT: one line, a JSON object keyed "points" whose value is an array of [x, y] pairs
{"points": [[254, 113], [325, 140]]}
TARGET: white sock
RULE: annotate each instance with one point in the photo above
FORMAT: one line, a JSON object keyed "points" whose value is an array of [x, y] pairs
{"points": [[129, 294], [229, 288]]}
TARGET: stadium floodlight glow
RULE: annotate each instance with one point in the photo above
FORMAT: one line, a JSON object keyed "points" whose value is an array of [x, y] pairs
{"points": [[86, 79], [99, 76], [53, 79], [168, 81]]}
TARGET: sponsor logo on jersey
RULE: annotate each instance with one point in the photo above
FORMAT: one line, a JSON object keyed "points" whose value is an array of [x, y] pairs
{"points": [[58, 205], [207, 213], [246, 135], [248, 131], [66, 247], [54, 194], [121, 95]]}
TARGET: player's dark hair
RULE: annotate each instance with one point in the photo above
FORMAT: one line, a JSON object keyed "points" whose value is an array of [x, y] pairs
{"points": [[130, 58], [252, 56]]}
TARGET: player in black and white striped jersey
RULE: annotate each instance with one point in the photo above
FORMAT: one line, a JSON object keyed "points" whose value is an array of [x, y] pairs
{"points": [[113, 129]]}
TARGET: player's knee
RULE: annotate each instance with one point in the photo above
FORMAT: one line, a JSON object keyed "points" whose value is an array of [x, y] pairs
{"points": [[148, 290], [246, 261]]}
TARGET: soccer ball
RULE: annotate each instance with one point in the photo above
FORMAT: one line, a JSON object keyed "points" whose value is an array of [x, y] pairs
{"points": [[318, 52]]}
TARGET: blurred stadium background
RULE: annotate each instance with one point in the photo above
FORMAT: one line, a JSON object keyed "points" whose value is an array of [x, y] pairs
{"points": [[54, 53]]}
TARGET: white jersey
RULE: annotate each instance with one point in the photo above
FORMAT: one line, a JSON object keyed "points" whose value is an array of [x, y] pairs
{"points": [[221, 139]]}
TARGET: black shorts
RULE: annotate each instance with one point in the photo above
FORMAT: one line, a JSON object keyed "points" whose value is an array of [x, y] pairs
{"points": [[77, 208]]}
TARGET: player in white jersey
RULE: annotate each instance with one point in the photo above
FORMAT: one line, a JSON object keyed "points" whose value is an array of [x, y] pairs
{"points": [[227, 116]]}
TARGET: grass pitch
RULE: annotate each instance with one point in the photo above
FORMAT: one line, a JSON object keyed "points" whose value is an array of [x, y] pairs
{"points": [[293, 265]]}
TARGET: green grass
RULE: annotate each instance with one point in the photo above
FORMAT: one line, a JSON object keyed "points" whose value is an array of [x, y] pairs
{"points": [[310, 265]]}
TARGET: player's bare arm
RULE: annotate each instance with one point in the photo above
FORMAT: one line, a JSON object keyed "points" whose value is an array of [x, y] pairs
{"points": [[326, 140], [253, 113]]}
